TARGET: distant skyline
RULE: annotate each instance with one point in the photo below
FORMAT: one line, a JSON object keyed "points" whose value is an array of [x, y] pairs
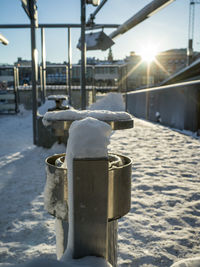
{"points": [[167, 29]]}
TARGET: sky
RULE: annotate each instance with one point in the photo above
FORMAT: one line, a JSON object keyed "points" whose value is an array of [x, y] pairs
{"points": [[167, 29]]}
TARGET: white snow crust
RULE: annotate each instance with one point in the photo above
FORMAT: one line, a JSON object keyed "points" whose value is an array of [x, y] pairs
{"points": [[163, 225], [104, 115], [111, 101], [48, 105], [191, 262]]}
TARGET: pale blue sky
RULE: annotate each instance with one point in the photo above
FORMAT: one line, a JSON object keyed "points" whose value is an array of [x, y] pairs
{"points": [[168, 28]]}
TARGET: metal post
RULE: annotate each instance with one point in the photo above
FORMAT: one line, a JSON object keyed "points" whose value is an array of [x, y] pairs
{"points": [[119, 80], [147, 93], [126, 81], [34, 80], [17, 76], [15, 70], [93, 85], [83, 56], [43, 84], [90, 191], [67, 79], [69, 65]]}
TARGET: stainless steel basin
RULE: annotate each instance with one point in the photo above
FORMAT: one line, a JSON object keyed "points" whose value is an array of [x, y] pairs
{"points": [[119, 186]]}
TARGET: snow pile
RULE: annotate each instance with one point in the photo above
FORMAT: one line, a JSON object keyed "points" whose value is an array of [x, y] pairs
{"points": [[71, 115], [88, 138], [163, 225], [85, 262], [112, 102], [49, 104], [192, 262]]}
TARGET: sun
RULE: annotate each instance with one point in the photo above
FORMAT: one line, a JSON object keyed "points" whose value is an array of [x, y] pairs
{"points": [[148, 52]]}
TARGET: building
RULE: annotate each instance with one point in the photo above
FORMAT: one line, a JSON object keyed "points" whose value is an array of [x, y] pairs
{"points": [[141, 74]]}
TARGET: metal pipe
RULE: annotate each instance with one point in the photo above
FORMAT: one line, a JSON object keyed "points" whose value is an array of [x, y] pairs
{"points": [[43, 65], [69, 65], [160, 88], [93, 85], [92, 16], [57, 25], [15, 69], [34, 81], [83, 56], [143, 14]]}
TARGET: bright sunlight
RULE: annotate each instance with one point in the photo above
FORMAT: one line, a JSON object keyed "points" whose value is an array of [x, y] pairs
{"points": [[148, 52]]}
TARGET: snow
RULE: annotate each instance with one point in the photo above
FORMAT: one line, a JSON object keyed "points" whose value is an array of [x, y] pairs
{"points": [[163, 225], [192, 262], [86, 262], [111, 101], [48, 105], [88, 138], [71, 115]]}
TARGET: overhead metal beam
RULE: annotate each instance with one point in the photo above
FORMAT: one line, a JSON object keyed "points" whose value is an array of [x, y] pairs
{"points": [[143, 14], [57, 25]]}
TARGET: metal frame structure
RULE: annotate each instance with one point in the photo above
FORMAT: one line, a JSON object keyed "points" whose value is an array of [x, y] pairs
{"points": [[139, 17], [15, 85], [31, 10]]}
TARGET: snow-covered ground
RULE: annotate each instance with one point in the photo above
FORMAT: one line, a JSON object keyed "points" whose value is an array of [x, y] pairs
{"points": [[163, 225]]}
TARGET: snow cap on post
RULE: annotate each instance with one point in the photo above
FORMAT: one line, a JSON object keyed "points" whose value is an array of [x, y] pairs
{"points": [[88, 138]]}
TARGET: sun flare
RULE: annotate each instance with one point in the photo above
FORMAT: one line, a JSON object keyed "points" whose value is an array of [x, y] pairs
{"points": [[148, 52]]}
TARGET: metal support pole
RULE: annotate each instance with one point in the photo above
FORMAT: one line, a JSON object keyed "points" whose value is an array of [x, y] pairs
{"points": [[69, 65], [17, 76], [90, 191], [15, 70], [34, 81], [119, 80], [147, 93], [93, 85], [43, 84], [67, 79], [126, 79], [83, 57]]}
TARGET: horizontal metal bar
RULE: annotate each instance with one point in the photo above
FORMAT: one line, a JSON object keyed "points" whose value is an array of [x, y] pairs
{"points": [[159, 88], [7, 97], [7, 106], [20, 26]]}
